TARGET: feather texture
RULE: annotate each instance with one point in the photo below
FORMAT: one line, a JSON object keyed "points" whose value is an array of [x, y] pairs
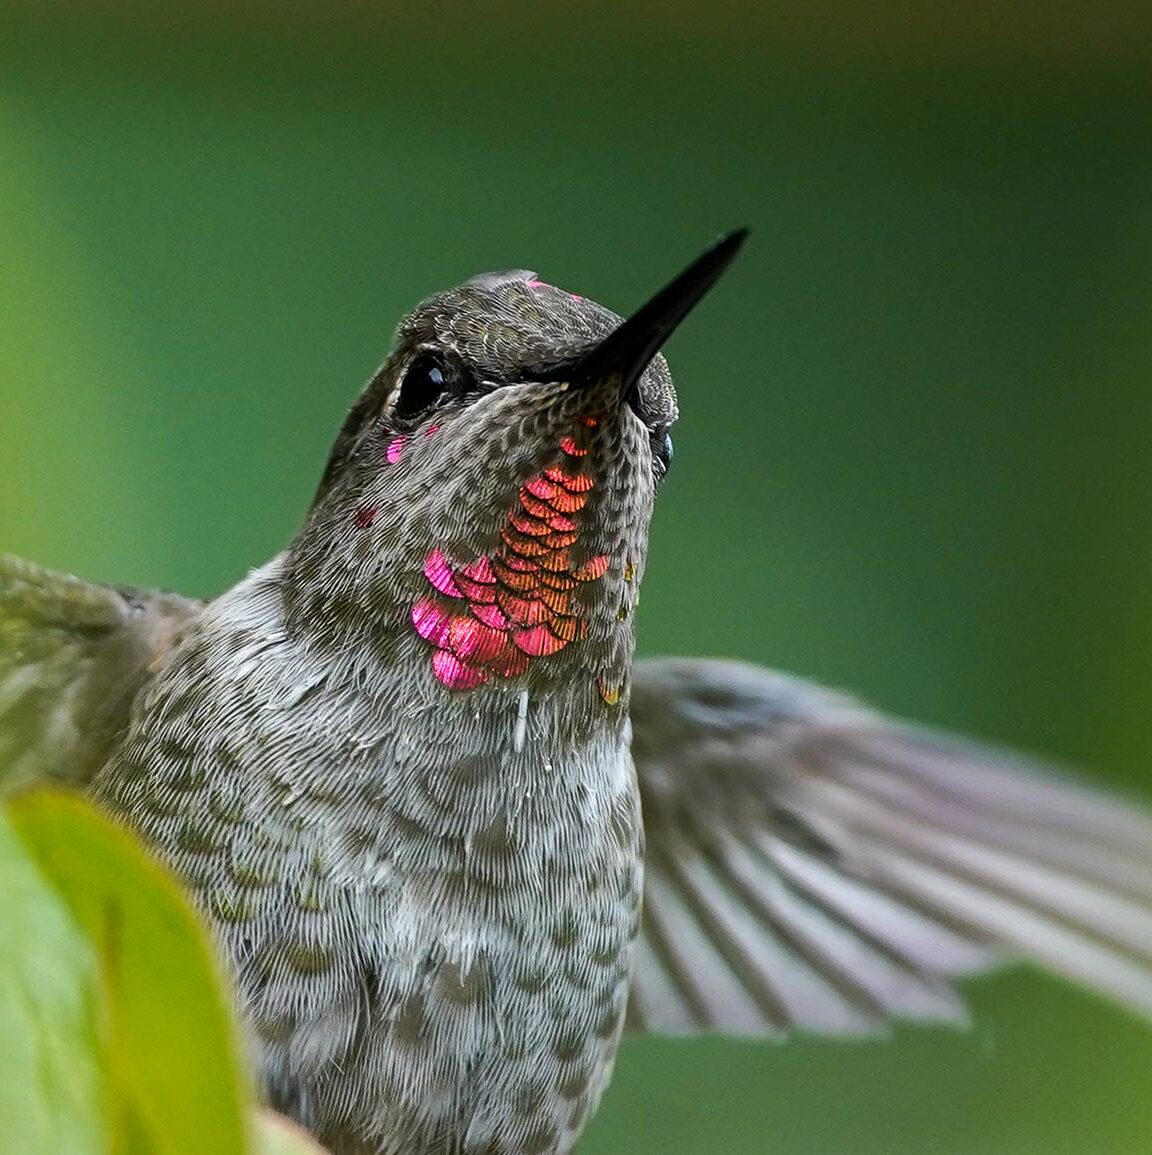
{"points": [[73, 656], [817, 866]]}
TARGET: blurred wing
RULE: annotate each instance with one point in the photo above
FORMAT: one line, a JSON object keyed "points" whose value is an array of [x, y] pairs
{"points": [[72, 657], [816, 866]]}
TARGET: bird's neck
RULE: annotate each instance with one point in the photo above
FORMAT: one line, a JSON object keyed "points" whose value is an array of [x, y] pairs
{"points": [[380, 762], [563, 723]]}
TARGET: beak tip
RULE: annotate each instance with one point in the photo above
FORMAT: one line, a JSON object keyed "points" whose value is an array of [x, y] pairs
{"points": [[734, 239], [723, 251], [635, 342]]}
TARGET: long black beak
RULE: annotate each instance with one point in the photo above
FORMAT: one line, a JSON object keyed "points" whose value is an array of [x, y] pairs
{"points": [[628, 349]]}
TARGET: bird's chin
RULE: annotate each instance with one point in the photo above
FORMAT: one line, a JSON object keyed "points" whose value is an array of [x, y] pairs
{"points": [[543, 588]]}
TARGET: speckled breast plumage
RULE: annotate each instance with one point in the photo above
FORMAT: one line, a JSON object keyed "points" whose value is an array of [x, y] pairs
{"points": [[432, 938], [393, 765]]}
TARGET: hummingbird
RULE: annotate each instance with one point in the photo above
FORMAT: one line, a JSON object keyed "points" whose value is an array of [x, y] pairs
{"points": [[454, 841]]}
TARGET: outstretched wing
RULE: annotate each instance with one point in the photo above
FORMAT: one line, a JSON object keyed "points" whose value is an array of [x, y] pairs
{"points": [[73, 655], [814, 865]]}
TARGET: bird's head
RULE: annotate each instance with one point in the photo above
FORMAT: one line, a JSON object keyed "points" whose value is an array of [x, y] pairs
{"points": [[486, 504]]}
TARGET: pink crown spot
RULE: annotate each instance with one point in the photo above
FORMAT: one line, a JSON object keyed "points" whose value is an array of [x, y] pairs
{"points": [[395, 449], [538, 284], [439, 573], [454, 673], [433, 428]]}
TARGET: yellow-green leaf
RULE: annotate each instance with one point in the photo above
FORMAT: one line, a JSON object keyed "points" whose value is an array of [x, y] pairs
{"points": [[167, 1045], [52, 1084]]}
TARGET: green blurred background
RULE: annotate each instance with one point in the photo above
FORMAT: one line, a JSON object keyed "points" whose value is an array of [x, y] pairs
{"points": [[915, 451]]}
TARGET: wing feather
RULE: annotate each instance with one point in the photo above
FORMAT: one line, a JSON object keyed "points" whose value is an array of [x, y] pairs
{"points": [[73, 656], [817, 866]]}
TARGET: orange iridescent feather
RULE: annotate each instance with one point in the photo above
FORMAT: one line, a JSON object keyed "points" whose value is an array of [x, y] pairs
{"points": [[495, 615]]}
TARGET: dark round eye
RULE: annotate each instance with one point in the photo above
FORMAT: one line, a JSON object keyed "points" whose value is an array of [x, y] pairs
{"points": [[425, 382], [661, 452]]}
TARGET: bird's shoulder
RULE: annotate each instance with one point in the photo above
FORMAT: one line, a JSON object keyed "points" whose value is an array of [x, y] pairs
{"points": [[73, 656]]}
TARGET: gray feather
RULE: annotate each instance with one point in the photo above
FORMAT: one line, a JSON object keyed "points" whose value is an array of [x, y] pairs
{"points": [[809, 854]]}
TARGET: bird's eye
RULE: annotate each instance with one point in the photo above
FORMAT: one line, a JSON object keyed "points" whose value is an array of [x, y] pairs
{"points": [[425, 382], [661, 452]]}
